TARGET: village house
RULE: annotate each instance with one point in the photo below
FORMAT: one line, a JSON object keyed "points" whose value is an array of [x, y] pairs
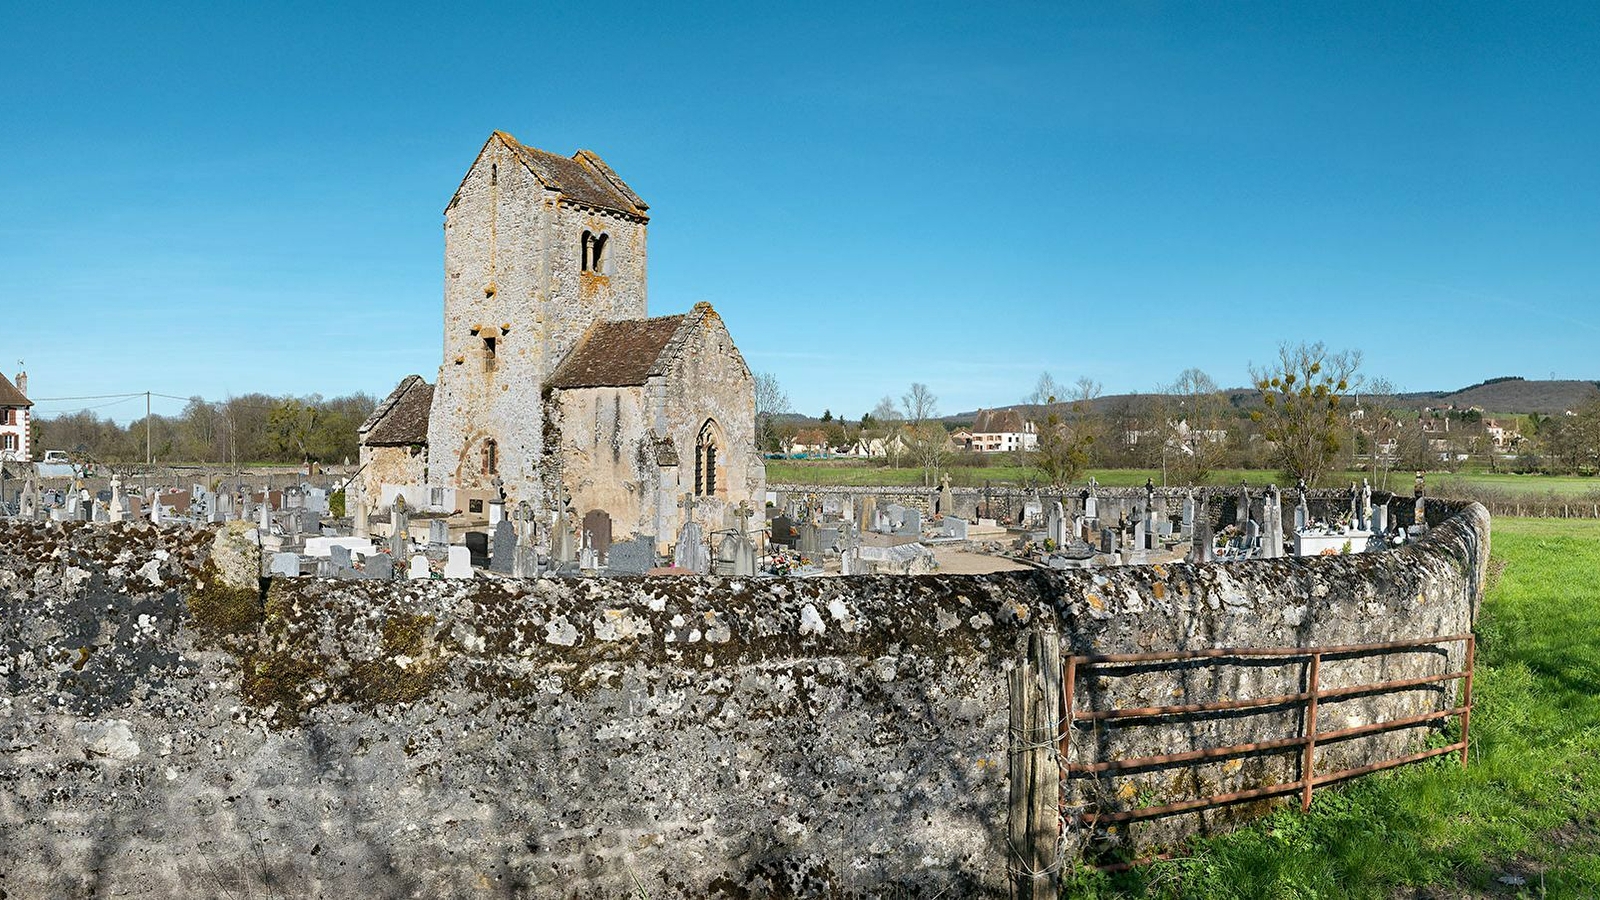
{"points": [[1002, 430], [556, 388], [16, 415], [810, 442]]}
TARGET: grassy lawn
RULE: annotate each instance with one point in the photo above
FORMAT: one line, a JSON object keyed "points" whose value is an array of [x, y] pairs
{"points": [[1527, 807], [859, 472]]}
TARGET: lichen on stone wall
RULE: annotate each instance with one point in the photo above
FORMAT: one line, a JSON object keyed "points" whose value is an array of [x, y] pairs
{"points": [[565, 737]]}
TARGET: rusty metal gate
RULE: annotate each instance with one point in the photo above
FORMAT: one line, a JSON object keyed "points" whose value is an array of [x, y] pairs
{"points": [[1306, 741]]}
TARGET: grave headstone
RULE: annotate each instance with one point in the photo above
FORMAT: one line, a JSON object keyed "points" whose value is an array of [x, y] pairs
{"points": [[1056, 524], [380, 566], [562, 546], [459, 562], [478, 548], [419, 568], [438, 533], [1272, 524], [690, 552], [808, 539], [1108, 540], [505, 547], [947, 498], [597, 534], [783, 531], [911, 525], [634, 557], [287, 564], [361, 524], [1201, 548], [526, 562], [954, 528], [827, 538]]}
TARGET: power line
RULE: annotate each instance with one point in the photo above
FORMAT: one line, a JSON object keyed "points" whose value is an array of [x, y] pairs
{"points": [[89, 397]]}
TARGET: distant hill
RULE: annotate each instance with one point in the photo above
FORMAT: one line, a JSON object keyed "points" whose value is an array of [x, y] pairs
{"points": [[1518, 395], [1510, 395]]}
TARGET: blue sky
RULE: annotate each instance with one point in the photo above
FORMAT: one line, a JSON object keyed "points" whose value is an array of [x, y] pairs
{"points": [[224, 198]]}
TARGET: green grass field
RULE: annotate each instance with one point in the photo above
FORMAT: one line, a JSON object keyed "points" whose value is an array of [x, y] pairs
{"points": [[1528, 806], [858, 472]]}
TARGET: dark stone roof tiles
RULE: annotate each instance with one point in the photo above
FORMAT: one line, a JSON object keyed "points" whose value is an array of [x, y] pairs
{"points": [[617, 354], [401, 420], [585, 178]]}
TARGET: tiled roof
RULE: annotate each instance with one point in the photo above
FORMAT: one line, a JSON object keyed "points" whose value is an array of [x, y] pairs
{"points": [[401, 420], [998, 421], [584, 177], [10, 396], [617, 354]]}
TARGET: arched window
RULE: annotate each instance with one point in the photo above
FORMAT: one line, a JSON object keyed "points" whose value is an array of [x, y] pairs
{"points": [[494, 173], [491, 457], [593, 248], [705, 460]]}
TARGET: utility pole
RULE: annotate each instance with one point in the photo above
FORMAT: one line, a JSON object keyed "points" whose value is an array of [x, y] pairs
{"points": [[147, 428]]}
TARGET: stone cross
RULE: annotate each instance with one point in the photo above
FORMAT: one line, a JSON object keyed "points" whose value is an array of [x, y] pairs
{"points": [[743, 513]]}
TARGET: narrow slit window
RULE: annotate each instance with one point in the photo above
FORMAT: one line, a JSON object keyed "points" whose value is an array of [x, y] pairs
{"points": [[488, 354], [586, 247], [491, 458]]}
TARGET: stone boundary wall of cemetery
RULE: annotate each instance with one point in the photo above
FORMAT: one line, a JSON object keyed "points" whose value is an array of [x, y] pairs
{"points": [[1007, 502], [170, 727]]}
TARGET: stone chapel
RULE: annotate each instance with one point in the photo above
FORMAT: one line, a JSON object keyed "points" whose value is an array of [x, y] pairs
{"points": [[556, 387]]}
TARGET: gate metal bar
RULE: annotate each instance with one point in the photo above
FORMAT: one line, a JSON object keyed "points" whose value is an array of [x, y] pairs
{"points": [[1307, 740]]}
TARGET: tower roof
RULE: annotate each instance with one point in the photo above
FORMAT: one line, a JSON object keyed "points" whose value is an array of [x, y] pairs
{"points": [[582, 178]]}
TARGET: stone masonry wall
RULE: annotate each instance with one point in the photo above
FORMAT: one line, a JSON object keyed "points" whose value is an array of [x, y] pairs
{"points": [[168, 729], [504, 230]]}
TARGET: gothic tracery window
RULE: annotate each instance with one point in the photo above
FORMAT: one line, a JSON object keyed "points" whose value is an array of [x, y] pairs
{"points": [[705, 461]]}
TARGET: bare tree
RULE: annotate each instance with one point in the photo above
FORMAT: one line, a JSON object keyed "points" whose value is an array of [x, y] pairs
{"points": [[1378, 428], [1303, 392], [919, 404], [886, 427], [1046, 391], [1065, 440], [1192, 426], [929, 442], [771, 402]]}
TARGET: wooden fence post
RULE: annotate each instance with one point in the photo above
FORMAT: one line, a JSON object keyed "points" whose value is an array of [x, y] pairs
{"points": [[1034, 814]]}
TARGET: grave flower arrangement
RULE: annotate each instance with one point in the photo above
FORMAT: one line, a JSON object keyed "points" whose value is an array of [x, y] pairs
{"points": [[785, 562]]}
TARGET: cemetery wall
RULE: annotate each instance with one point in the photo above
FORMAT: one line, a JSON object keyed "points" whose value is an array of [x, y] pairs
{"points": [[1008, 501], [169, 728]]}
